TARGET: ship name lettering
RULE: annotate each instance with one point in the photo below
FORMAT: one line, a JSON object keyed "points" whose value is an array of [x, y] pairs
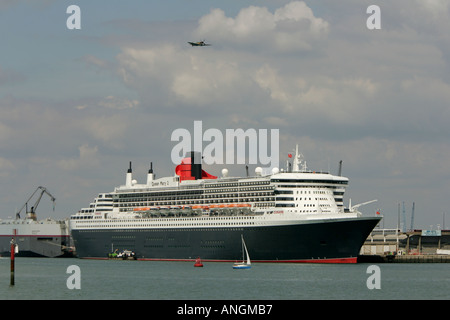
{"points": [[160, 183]]}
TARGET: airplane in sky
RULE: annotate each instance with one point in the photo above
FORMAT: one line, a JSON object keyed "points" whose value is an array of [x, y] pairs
{"points": [[199, 44]]}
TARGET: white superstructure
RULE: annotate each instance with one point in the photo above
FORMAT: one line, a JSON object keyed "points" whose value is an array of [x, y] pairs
{"points": [[290, 194]]}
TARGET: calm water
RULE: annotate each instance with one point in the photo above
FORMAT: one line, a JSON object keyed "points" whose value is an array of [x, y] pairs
{"points": [[45, 278]]}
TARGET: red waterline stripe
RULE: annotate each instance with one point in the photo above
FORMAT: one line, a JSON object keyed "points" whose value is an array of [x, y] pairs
{"points": [[333, 260], [34, 235]]}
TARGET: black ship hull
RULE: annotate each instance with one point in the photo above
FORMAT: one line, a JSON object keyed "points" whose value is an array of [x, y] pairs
{"points": [[332, 241]]}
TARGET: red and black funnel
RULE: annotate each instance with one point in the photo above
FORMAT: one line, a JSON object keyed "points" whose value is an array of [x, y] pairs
{"points": [[191, 168]]}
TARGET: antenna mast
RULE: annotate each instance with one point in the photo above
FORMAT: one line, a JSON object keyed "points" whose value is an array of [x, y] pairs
{"points": [[412, 217], [403, 224]]}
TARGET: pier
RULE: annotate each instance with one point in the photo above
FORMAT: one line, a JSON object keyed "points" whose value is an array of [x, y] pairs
{"points": [[391, 258], [422, 258], [414, 246]]}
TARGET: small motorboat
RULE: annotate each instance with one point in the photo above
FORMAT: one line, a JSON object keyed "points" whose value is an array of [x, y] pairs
{"points": [[124, 255]]}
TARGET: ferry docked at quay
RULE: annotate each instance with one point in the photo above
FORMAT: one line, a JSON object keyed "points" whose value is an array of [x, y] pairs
{"points": [[35, 238], [286, 216]]}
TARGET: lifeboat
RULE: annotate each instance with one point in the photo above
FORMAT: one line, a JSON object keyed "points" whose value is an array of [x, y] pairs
{"points": [[141, 209]]}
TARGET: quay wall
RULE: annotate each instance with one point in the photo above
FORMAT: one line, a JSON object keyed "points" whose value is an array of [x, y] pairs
{"points": [[415, 246]]}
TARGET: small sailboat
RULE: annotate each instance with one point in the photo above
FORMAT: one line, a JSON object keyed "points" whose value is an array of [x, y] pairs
{"points": [[198, 262], [244, 264]]}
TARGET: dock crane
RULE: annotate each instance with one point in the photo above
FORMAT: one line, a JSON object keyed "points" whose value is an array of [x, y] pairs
{"points": [[32, 213]]}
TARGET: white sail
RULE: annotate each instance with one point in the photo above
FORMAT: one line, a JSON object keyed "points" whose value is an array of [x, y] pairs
{"points": [[246, 252], [243, 264]]}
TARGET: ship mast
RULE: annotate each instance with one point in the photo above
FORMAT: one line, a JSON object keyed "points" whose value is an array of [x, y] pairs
{"points": [[298, 161]]}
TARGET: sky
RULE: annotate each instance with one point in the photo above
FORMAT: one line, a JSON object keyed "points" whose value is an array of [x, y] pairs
{"points": [[76, 105]]}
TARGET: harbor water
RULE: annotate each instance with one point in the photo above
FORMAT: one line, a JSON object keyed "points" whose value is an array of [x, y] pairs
{"points": [[50, 278]]}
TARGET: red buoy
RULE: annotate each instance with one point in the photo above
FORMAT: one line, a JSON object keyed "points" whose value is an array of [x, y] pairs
{"points": [[198, 262]]}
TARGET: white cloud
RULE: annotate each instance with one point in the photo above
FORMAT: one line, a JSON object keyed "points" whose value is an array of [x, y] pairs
{"points": [[88, 157], [298, 11], [8, 77], [437, 8], [150, 71], [206, 82], [168, 76], [292, 27], [5, 133], [5, 167], [5, 4], [92, 60], [110, 130], [343, 81], [430, 88], [276, 122], [336, 100], [112, 102]]}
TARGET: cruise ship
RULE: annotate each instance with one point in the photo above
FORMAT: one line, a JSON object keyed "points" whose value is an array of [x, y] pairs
{"points": [[292, 215]]}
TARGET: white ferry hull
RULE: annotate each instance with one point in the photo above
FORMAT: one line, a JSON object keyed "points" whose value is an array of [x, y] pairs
{"points": [[35, 238]]}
